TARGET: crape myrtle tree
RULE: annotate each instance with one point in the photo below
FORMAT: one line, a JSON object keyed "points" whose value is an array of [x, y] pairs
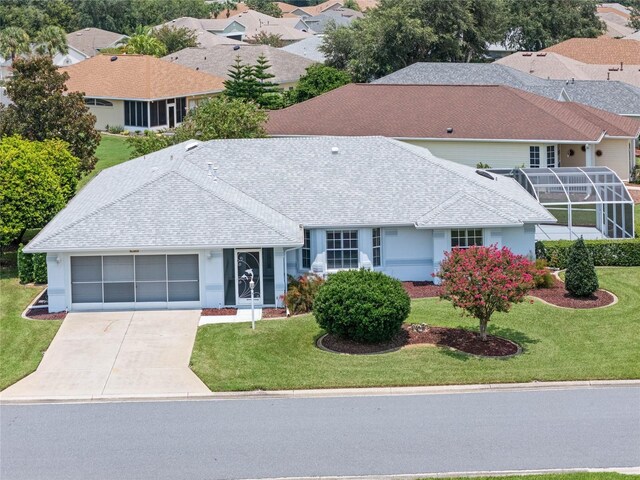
{"points": [[484, 280]]}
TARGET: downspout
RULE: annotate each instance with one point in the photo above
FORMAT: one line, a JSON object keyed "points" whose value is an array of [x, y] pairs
{"points": [[286, 283]]}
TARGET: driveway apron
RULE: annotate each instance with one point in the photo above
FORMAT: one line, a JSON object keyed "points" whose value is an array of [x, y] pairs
{"points": [[119, 354]]}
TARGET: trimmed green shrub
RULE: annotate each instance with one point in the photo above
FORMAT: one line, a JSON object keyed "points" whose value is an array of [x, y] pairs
{"points": [[25, 266], [40, 268], [362, 305], [301, 293], [542, 277], [605, 253], [580, 279]]}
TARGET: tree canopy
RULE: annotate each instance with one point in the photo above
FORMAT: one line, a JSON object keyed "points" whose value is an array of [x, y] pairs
{"points": [[319, 79], [175, 39], [253, 83], [265, 6], [43, 109]]}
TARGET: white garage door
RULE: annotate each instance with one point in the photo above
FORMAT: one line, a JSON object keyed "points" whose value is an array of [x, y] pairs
{"points": [[144, 280]]}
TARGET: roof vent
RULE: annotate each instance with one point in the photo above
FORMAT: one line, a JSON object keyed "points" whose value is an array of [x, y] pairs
{"points": [[236, 47], [191, 146], [541, 54], [485, 174], [335, 150], [213, 171], [450, 130], [114, 58], [527, 54]]}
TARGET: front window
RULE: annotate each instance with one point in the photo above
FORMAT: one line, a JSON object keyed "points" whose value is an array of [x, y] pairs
{"points": [[306, 250], [551, 156], [377, 247], [534, 157], [466, 238], [342, 249], [99, 102]]}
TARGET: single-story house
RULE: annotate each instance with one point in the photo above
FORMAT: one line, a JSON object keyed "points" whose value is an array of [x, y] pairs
{"points": [[340, 17], [190, 225], [87, 43], [218, 60], [612, 96], [491, 124], [139, 92]]}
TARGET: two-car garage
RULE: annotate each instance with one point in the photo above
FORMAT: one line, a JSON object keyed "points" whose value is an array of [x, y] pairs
{"points": [[135, 281]]}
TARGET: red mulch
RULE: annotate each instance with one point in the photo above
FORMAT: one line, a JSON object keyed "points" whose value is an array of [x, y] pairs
{"points": [[635, 194], [459, 339], [558, 295], [422, 289], [43, 314], [273, 312], [218, 311]]}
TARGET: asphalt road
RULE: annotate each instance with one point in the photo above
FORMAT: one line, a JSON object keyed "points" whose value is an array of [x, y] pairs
{"points": [[258, 438]]}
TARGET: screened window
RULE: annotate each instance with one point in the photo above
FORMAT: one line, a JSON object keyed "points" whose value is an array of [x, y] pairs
{"points": [[534, 157], [135, 114], [377, 247], [181, 109], [551, 156], [466, 238], [306, 250], [342, 249], [158, 113]]}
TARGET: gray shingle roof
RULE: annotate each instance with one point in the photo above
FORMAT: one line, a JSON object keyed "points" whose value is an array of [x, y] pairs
{"points": [[615, 97], [266, 188], [91, 40], [217, 60], [307, 48], [340, 17]]}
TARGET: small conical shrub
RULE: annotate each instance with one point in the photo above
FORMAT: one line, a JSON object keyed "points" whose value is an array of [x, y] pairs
{"points": [[580, 279]]}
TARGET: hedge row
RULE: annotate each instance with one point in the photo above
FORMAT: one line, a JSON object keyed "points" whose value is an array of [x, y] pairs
{"points": [[605, 253], [32, 267]]}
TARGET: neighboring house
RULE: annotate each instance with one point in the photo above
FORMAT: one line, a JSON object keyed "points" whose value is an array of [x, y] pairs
{"points": [[287, 67], [556, 66], [616, 18], [188, 226], [204, 38], [495, 125], [87, 43], [599, 51], [139, 92], [614, 97], [340, 17], [307, 48], [313, 10]]}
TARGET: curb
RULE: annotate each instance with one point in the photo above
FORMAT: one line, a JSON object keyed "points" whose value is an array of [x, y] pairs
{"points": [[325, 393]]}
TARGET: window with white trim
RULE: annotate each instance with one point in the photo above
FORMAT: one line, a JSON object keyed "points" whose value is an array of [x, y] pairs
{"points": [[377, 246], [551, 156], [342, 249], [306, 250], [534, 157], [99, 102], [466, 238]]}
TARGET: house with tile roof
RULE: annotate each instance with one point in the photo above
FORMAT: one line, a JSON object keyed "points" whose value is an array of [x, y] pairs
{"points": [[612, 96], [139, 92], [189, 226], [490, 124], [217, 60]]}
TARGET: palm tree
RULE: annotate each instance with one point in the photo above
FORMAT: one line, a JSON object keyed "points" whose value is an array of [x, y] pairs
{"points": [[51, 40], [216, 9], [13, 41], [145, 45], [229, 5]]}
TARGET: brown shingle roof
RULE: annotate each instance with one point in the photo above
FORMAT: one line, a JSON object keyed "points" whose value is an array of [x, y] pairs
{"points": [[138, 77], [601, 51], [427, 111]]}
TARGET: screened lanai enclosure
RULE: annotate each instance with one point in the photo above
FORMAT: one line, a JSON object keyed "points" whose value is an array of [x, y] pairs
{"points": [[581, 198]]}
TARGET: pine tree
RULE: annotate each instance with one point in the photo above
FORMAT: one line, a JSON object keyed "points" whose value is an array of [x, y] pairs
{"points": [[236, 86], [580, 278], [267, 92]]}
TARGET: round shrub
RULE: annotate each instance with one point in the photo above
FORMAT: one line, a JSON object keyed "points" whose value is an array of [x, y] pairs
{"points": [[580, 279], [361, 305]]}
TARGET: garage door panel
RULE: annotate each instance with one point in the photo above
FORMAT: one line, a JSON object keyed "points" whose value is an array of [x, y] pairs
{"points": [[151, 268], [118, 268], [118, 292], [183, 291], [86, 293], [151, 291]]}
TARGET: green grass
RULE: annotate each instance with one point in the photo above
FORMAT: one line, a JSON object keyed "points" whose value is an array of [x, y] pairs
{"points": [[22, 342], [111, 151], [560, 476], [584, 215], [558, 344]]}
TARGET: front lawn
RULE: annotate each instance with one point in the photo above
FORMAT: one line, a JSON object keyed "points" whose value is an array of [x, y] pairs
{"points": [[22, 342], [111, 151], [558, 344]]}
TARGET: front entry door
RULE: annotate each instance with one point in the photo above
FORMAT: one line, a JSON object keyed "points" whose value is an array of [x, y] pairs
{"points": [[172, 116], [248, 265]]}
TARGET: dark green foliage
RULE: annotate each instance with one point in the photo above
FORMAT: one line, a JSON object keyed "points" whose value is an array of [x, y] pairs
{"points": [[40, 268], [265, 6], [362, 305], [541, 251], [253, 83], [542, 277], [149, 142], [175, 39], [43, 109], [580, 278], [25, 266], [319, 79], [301, 292], [605, 253], [33, 15], [263, 38]]}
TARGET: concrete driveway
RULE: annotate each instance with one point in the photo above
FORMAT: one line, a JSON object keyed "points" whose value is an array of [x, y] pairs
{"points": [[117, 354]]}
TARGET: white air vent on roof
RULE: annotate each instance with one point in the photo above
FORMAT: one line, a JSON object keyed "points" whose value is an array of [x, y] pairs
{"points": [[191, 146], [335, 150]]}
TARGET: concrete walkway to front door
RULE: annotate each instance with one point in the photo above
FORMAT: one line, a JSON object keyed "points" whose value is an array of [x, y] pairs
{"points": [[117, 354]]}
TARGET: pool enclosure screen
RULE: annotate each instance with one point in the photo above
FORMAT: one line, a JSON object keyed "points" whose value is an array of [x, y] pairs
{"points": [[582, 196]]}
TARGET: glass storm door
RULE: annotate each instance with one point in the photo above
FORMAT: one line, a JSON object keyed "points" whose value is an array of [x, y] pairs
{"points": [[248, 266]]}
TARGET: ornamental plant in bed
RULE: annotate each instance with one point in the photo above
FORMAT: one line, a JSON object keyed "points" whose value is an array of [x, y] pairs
{"points": [[484, 280], [581, 279], [362, 305]]}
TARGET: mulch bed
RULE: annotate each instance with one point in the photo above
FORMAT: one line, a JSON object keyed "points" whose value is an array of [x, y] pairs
{"points": [[558, 295], [415, 334], [273, 312], [422, 289], [218, 311], [43, 300], [43, 314]]}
